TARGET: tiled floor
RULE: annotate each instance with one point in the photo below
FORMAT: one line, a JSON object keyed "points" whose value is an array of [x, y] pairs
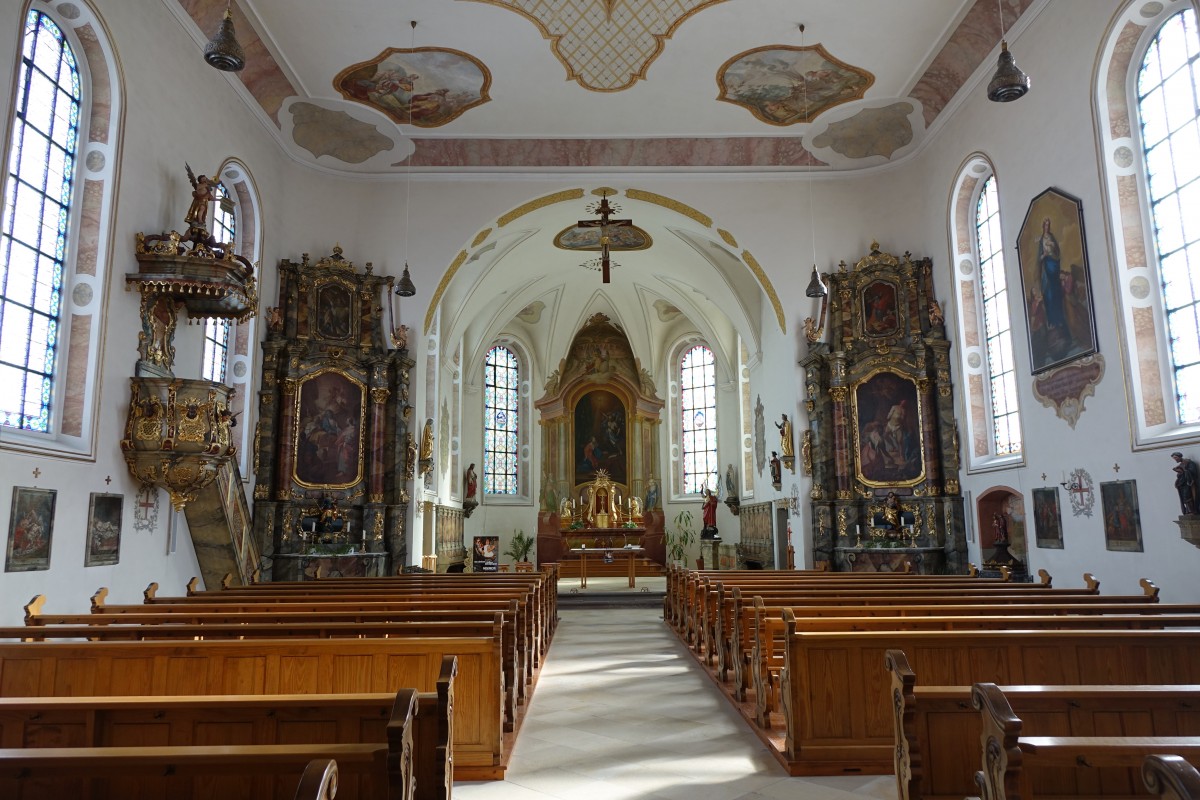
{"points": [[622, 711]]}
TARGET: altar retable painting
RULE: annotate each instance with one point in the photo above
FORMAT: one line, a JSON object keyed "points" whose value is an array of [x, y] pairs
{"points": [[887, 418], [600, 437], [329, 430]]}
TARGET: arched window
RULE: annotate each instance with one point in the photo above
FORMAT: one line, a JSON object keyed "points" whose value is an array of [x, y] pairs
{"points": [[38, 193], [62, 141], [993, 418], [1002, 384], [1146, 120], [698, 410], [216, 331], [501, 422], [1167, 92]]}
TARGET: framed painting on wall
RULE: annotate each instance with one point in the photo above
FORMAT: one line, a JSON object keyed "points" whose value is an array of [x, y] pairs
{"points": [[29, 529], [1047, 520], [887, 427], [1122, 520], [1056, 281], [103, 529]]}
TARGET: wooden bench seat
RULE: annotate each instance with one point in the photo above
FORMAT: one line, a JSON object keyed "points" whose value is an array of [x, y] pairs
{"points": [[383, 769], [836, 707], [277, 666], [937, 729], [1016, 765]]}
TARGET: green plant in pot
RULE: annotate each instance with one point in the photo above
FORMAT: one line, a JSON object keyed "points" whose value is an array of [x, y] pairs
{"points": [[520, 546], [681, 534]]}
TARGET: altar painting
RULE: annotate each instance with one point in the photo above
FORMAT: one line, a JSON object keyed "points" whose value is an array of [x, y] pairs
{"points": [[329, 430], [334, 311], [880, 311], [887, 426], [600, 437]]}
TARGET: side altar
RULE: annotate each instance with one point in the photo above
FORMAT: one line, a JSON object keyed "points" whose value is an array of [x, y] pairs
{"points": [[882, 442]]}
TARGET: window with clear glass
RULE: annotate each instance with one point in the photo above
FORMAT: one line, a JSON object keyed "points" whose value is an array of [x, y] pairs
{"points": [[33, 232], [216, 331], [1002, 382], [698, 406], [501, 444], [1168, 94]]}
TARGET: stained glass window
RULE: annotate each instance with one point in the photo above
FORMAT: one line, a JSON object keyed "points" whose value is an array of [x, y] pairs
{"points": [[1168, 92], [216, 331], [33, 232], [501, 420], [1002, 382], [698, 405]]}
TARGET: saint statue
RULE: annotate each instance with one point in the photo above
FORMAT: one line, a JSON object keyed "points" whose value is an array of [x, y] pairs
{"points": [[730, 482], [1187, 483], [709, 509], [776, 470], [427, 441], [785, 437]]}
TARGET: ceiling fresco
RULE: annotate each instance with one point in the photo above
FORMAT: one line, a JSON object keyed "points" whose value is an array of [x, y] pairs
{"points": [[783, 85], [426, 86], [577, 238], [483, 90]]}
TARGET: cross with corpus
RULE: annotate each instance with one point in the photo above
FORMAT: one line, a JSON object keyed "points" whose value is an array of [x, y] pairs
{"points": [[604, 209]]}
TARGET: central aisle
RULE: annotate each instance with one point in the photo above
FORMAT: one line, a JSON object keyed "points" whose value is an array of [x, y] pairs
{"points": [[621, 710]]}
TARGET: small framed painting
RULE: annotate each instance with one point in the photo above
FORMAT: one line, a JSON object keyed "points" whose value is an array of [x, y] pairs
{"points": [[1047, 519], [29, 529], [1122, 521], [104, 529]]}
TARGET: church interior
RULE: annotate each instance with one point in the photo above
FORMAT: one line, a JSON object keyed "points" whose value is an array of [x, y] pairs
{"points": [[296, 289]]}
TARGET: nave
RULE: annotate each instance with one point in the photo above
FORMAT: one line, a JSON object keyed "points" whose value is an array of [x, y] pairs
{"points": [[622, 711]]}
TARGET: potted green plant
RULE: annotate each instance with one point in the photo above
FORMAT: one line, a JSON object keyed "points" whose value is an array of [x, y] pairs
{"points": [[519, 547], [681, 534]]}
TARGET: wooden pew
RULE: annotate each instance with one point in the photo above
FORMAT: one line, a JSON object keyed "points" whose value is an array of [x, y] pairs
{"points": [[937, 730], [527, 636], [835, 697], [319, 780], [1019, 766], [1171, 777], [277, 666], [198, 772], [240, 719]]}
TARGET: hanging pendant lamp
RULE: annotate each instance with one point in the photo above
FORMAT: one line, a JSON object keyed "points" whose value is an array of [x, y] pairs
{"points": [[1009, 83], [223, 51]]}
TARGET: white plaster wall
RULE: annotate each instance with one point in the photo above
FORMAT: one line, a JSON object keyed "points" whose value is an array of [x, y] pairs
{"points": [[1048, 139]]}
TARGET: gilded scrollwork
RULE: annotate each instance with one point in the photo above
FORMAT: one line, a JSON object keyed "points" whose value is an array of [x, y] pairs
{"points": [[815, 492], [841, 522], [377, 529], [379, 395], [952, 486], [838, 394]]}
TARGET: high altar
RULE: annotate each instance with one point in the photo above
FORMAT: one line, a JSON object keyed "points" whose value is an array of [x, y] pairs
{"points": [[599, 417], [882, 442]]}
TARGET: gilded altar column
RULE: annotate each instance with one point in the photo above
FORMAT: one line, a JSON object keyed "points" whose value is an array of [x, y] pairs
{"points": [[379, 397], [287, 437], [842, 434]]}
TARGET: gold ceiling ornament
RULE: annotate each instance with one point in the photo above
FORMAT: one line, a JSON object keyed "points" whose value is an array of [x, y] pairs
{"points": [[606, 45]]}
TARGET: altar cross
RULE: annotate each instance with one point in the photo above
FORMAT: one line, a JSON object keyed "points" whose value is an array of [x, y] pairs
{"points": [[605, 210]]}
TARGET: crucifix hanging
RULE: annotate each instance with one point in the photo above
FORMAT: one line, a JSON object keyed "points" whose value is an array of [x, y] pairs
{"points": [[605, 210]]}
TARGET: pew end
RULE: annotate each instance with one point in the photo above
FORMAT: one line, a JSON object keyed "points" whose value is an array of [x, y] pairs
{"points": [[1149, 588], [1092, 583], [1171, 777], [1005, 574], [319, 781], [193, 587], [400, 755], [1000, 776], [907, 758], [1046, 580], [227, 580], [33, 609], [972, 570], [150, 593], [97, 601]]}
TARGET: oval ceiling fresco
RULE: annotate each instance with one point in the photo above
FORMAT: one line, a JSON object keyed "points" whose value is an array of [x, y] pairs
{"points": [[779, 83], [424, 86]]}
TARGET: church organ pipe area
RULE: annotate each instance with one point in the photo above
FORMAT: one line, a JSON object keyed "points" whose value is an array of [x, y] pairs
{"points": [[882, 442]]}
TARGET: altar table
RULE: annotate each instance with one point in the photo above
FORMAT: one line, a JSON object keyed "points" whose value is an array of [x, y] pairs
{"points": [[629, 552]]}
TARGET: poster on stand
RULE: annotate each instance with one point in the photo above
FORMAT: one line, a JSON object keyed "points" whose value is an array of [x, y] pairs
{"points": [[484, 554]]}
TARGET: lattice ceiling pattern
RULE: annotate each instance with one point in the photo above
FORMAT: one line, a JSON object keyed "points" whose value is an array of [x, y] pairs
{"points": [[606, 45]]}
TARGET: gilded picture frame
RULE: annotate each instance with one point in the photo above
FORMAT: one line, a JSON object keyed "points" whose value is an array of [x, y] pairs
{"points": [[600, 437], [103, 546], [889, 450], [328, 443], [1056, 281], [30, 529], [336, 307]]}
